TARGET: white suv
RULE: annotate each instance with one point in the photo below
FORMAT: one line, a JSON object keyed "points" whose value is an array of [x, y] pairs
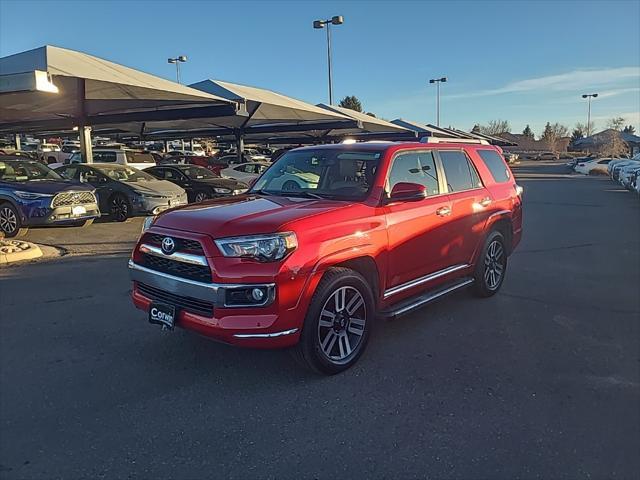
{"points": [[131, 158]]}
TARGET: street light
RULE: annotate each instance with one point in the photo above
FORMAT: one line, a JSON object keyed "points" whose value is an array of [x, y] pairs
{"points": [[589, 96], [438, 81], [178, 60], [318, 24]]}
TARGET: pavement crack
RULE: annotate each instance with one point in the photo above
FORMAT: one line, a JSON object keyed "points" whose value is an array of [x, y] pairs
{"points": [[552, 249], [565, 304]]}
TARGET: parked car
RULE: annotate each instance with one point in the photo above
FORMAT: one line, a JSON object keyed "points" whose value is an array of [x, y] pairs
{"points": [[31, 194], [386, 229], [245, 172], [626, 173], [118, 156], [183, 153], [615, 170], [595, 166], [575, 161], [199, 183], [510, 157], [214, 164], [124, 191], [548, 156]]}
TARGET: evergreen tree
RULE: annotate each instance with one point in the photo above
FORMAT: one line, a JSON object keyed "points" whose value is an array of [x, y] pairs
{"points": [[527, 132], [629, 129], [352, 103]]}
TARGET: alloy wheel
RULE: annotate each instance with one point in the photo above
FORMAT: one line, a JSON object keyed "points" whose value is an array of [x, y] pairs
{"points": [[119, 208], [8, 220], [494, 265], [342, 323], [200, 197]]}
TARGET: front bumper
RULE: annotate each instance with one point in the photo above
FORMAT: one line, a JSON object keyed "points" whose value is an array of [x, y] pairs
{"points": [[259, 326], [36, 215], [153, 206]]}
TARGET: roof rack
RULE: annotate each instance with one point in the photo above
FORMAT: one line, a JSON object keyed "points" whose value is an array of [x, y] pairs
{"points": [[453, 140]]}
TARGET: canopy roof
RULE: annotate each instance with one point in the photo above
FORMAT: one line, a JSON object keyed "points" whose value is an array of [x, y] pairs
{"points": [[85, 89], [423, 130]]}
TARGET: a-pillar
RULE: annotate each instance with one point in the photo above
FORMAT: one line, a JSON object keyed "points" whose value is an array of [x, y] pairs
{"points": [[85, 144]]}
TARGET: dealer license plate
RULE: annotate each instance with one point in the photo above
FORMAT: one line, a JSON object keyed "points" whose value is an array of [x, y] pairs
{"points": [[78, 210], [163, 314]]}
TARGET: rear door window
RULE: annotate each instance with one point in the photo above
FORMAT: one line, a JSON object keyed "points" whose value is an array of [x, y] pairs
{"points": [[460, 173], [104, 157], [495, 164]]}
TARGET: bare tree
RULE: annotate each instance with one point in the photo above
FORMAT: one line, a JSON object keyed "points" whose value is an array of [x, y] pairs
{"points": [[495, 127], [552, 134], [615, 145]]}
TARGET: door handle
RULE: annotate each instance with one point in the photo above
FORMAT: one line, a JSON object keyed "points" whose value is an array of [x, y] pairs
{"points": [[485, 202], [443, 212]]}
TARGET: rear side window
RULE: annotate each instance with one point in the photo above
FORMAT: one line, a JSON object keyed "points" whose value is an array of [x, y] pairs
{"points": [[415, 167], [104, 157], [460, 173], [495, 164]]}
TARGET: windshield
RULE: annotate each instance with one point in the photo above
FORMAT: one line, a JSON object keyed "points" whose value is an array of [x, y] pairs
{"points": [[198, 173], [124, 174], [22, 171], [325, 173]]}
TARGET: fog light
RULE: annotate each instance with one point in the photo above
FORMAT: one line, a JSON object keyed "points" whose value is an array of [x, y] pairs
{"points": [[257, 294]]}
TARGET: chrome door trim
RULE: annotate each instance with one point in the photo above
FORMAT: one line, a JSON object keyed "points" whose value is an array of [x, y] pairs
{"points": [[427, 278], [266, 335]]}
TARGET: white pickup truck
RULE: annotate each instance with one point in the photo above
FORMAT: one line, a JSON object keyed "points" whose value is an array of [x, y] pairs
{"points": [[123, 156], [52, 154]]}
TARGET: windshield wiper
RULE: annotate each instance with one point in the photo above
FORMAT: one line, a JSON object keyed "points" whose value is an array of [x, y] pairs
{"points": [[302, 193]]}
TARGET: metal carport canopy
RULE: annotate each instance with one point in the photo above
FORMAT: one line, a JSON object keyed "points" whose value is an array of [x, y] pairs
{"points": [[268, 113], [92, 91]]}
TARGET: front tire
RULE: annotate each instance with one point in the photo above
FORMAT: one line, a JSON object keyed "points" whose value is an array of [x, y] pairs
{"points": [[491, 266], [10, 223], [119, 208], [200, 197], [338, 322]]}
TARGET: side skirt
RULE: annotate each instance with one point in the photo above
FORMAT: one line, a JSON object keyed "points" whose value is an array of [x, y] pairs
{"points": [[410, 304]]}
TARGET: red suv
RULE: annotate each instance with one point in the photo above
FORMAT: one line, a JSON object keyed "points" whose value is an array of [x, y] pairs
{"points": [[365, 230]]}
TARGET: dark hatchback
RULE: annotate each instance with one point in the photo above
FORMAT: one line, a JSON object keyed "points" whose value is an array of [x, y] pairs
{"points": [[31, 194], [199, 182]]}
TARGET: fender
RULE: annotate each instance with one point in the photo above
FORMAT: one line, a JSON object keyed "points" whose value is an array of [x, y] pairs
{"points": [[491, 221]]}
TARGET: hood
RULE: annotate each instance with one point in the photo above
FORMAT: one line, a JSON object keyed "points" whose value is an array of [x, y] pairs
{"points": [[222, 183], [244, 214], [156, 187], [50, 186]]}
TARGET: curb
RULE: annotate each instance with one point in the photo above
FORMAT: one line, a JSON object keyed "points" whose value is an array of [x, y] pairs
{"points": [[16, 251]]}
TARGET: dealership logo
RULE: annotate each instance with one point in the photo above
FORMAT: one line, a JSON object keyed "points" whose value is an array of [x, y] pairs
{"points": [[168, 245]]}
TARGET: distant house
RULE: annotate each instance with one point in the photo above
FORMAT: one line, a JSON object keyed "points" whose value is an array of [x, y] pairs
{"points": [[601, 140], [528, 144]]}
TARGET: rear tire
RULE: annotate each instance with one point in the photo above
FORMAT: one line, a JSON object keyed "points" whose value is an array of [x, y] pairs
{"points": [[10, 224], [491, 266], [338, 323]]}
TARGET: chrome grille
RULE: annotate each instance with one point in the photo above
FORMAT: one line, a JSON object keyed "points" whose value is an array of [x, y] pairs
{"points": [[189, 304], [65, 199], [189, 271], [182, 244]]}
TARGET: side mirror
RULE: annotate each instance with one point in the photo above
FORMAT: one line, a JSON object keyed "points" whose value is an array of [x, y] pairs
{"points": [[408, 192]]}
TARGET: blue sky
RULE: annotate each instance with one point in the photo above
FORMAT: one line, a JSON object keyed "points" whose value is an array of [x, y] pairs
{"points": [[525, 62]]}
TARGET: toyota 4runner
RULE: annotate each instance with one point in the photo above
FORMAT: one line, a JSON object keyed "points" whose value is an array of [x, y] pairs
{"points": [[387, 228]]}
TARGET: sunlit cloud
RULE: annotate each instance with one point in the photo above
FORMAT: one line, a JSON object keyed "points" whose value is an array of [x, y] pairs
{"points": [[574, 80]]}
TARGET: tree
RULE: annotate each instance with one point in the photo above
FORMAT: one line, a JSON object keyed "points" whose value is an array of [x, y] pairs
{"points": [[580, 131], [527, 132], [475, 129], [495, 127], [371, 114], [552, 134], [615, 145], [629, 129], [352, 103]]}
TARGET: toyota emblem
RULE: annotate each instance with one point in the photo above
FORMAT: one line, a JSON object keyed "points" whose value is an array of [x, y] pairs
{"points": [[168, 245]]}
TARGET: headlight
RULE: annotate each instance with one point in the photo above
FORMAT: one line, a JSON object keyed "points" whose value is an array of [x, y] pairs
{"points": [[240, 191], [222, 190], [147, 222], [264, 248], [148, 195], [31, 195]]}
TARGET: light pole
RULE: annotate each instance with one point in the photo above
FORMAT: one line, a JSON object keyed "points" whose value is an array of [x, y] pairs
{"points": [[438, 81], [178, 60], [589, 96], [337, 20]]}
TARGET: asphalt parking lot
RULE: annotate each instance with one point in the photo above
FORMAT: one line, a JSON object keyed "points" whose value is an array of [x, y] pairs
{"points": [[540, 381]]}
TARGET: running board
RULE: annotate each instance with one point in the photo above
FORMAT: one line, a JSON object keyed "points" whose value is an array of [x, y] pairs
{"points": [[409, 305]]}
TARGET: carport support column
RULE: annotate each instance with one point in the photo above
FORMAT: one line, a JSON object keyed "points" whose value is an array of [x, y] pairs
{"points": [[239, 145], [16, 139], [85, 143]]}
